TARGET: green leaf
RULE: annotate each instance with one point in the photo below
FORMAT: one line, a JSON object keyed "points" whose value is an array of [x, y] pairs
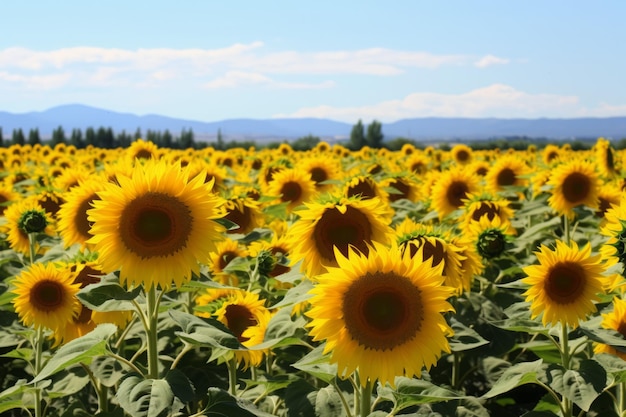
{"points": [[519, 320], [513, 377], [107, 296], [328, 403], [180, 385], [147, 397], [283, 330], [296, 295], [83, 349], [613, 365], [221, 403], [464, 338], [19, 353], [107, 370], [67, 383], [581, 386], [609, 337], [318, 364], [204, 331], [300, 399], [411, 391]]}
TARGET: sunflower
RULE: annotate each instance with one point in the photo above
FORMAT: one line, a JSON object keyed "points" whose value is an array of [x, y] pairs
{"points": [[574, 184], [417, 163], [609, 195], [551, 153], [245, 212], [247, 318], [292, 186], [7, 196], [363, 186], [461, 154], [340, 223], [155, 226], [565, 284], [73, 225], [16, 235], [381, 313], [491, 236], [451, 188], [45, 296], [615, 320], [614, 249], [224, 253], [423, 240], [401, 187], [279, 248], [509, 170], [323, 171], [85, 273], [142, 150], [605, 158], [477, 206]]}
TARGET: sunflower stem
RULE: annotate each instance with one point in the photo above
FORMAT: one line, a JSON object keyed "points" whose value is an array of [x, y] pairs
{"points": [[32, 242], [232, 375], [622, 398], [38, 366], [366, 398], [565, 359], [152, 306], [566, 231], [456, 369]]}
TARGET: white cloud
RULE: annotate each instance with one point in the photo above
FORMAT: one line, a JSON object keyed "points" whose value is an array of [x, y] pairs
{"points": [[36, 82], [489, 60], [234, 79], [496, 100]]}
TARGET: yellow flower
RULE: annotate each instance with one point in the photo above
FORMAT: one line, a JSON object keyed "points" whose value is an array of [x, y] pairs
{"points": [[451, 188], [381, 314], [340, 224], [509, 170], [292, 186], [46, 296], [73, 225], [461, 154], [565, 284], [156, 226], [246, 317], [16, 236], [574, 184], [615, 320]]}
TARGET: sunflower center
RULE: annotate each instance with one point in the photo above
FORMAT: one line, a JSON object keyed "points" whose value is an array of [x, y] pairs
{"points": [[565, 282], [318, 175], [84, 317], [342, 231], [576, 187], [47, 295], [402, 188], [485, 209], [291, 191], [241, 216], [506, 177], [462, 156], [362, 188], [456, 192], [239, 318], [143, 154], [83, 226], [225, 259], [155, 224], [382, 310]]}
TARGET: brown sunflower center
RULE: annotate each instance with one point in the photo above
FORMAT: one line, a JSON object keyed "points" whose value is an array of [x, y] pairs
{"points": [[84, 317], [83, 226], [241, 216], [576, 187], [225, 259], [621, 328], [351, 228], [155, 224], [485, 209], [362, 188], [382, 310], [456, 192], [565, 282], [402, 188], [506, 177], [430, 250], [318, 175], [418, 167], [239, 318], [462, 156], [47, 295], [143, 154], [291, 191]]}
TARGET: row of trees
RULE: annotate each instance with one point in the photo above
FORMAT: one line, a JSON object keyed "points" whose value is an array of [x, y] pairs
{"points": [[103, 137]]}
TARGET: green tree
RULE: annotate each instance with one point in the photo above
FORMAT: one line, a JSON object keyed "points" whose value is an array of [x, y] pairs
{"points": [[305, 143], [167, 139], [33, 136], [138, 133], [186, 139], [90, 137], [220, 141], [18, 137], [58, 136], [76, 138], [357, 136], [1, 137], [374, 138]]}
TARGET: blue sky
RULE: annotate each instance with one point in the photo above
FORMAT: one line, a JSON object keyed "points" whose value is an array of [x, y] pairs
{"points": [[342, 60]]}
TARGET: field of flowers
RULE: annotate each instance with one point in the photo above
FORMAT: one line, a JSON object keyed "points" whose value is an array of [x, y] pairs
{"points": [[151, 282]]}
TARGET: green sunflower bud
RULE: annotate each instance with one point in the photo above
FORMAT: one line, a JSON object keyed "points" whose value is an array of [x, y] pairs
{"points": [[33, 221], [491, 243]]}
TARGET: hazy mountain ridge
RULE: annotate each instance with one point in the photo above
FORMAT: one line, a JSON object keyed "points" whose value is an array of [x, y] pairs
{"points": [[81, 117]]}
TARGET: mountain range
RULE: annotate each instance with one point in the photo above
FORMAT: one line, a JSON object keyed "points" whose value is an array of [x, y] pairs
{"points": [[77, 116]]}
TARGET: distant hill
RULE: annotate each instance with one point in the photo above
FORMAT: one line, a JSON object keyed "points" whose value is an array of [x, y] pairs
{"points": [[77, 116]]}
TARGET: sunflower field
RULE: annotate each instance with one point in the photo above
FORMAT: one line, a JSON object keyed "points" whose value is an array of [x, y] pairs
{"points": [[152, 282]]}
